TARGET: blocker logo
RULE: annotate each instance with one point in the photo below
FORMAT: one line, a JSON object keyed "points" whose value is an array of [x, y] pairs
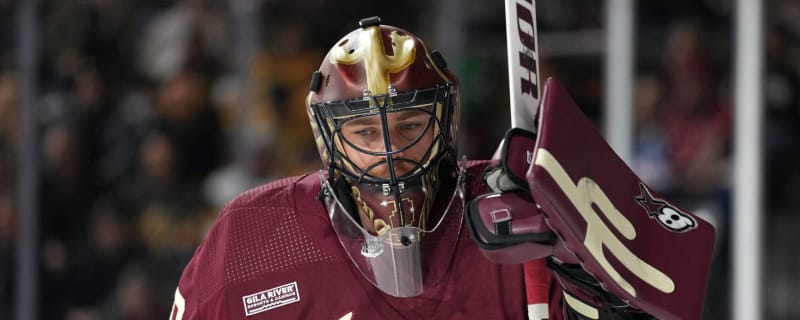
{"points": [[668, 216]]}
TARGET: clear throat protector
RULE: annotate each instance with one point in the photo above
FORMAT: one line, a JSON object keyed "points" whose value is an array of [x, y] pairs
{"points": [[401, 258]]}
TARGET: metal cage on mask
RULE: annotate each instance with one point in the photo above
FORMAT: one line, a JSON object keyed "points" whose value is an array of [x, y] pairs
{"points": [[423, 172], [394, 257]]}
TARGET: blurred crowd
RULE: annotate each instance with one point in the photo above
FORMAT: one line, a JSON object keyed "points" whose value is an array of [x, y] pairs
{"points": [[149, 123]]}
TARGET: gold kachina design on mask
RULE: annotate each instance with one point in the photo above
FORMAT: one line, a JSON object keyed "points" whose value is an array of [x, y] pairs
{"points": [[370, 51], [380, 225]]}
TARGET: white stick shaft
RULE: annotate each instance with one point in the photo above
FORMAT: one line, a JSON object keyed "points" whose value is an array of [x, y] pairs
{"points": [[523, 62]]}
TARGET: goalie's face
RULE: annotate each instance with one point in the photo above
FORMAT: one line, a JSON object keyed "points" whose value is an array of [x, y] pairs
{"points": [[406, 139], [388, 153]]}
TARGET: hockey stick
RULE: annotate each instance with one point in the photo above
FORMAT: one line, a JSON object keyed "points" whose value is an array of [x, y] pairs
{"points": [[523, 62], [523, 82]]}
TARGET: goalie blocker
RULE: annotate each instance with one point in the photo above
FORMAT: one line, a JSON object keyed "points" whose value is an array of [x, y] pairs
{"points": [[618, 249]]}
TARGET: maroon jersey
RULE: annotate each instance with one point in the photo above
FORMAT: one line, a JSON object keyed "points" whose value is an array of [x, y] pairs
{"points": [[272, 254]]}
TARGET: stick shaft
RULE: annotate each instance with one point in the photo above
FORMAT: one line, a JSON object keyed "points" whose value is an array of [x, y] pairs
{"points": [[523, 62], [524, 95]]}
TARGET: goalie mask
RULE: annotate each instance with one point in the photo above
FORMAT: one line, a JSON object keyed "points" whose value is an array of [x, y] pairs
{"points": [[383, 110]]}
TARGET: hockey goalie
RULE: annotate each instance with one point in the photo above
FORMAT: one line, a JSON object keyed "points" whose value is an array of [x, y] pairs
{"points": [[380, 231]]}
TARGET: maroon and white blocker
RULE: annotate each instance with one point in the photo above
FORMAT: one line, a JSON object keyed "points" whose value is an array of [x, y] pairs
{"points": [[650, 253]]}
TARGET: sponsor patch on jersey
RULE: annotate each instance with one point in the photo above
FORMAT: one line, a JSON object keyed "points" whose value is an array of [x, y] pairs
{"points": [[271, 298]]}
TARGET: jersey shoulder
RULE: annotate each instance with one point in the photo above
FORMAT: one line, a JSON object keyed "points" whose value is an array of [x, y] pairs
{"points": [[273, 194], [257, 234]]}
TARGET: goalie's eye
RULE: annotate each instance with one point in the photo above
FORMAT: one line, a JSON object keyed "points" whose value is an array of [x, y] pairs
{"points": [[404, 128], [410, 126], [366, 132]]}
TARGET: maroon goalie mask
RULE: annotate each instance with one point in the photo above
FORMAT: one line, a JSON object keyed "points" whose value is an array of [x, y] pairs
{"points": [[383, 110]]}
